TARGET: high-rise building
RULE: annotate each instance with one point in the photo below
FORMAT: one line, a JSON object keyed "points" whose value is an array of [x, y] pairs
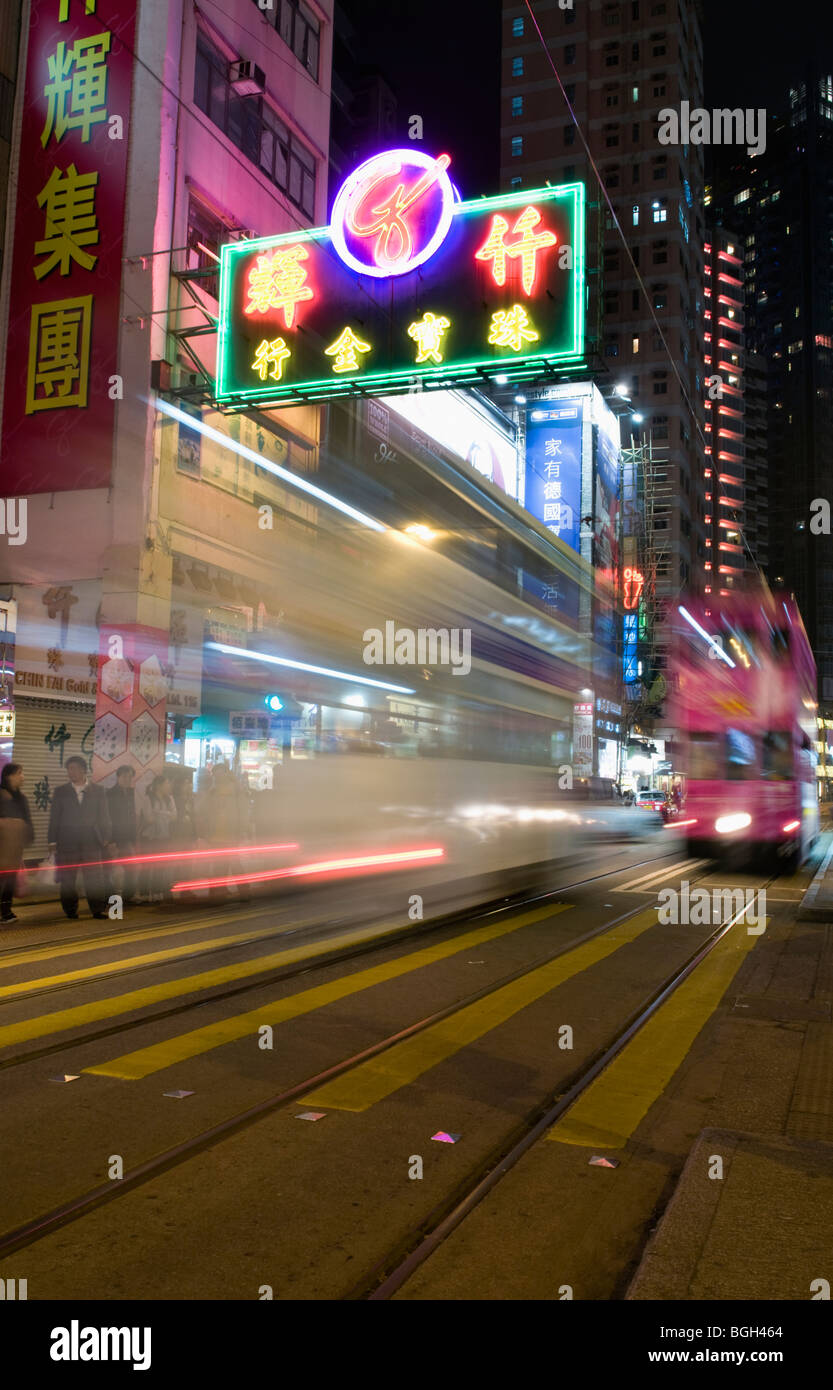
{"points": [[780, 203], [725, 475], [621, 62], [364, 110]]}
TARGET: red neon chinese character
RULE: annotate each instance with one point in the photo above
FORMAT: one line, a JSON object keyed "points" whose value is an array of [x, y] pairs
{"points": [[634, 582], [495, 248], [279, 282], [394, 242]]}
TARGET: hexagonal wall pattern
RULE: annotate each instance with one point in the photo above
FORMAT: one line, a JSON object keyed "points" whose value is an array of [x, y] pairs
{"points": [[153, 686], [110, 737], [144, 738]]}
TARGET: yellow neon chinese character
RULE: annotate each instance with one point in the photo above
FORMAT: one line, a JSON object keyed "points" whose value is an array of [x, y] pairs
{"points": [[495, 248], [511, 328], [275, 352], [77, 91], [428, 333], [279, 282], [63, 13], [59, 354], [69, 199], [344, 351]]}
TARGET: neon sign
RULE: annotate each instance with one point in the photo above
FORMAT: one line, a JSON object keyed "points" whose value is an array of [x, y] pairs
{"points": [[634, 583], [408, 285], [393, 212]]}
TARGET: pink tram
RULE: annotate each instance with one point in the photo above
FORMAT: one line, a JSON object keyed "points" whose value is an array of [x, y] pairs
{"points": [[743, 697]]}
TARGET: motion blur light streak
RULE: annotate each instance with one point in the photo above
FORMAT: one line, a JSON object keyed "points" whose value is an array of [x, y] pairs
{"points": [[677, 824], [791, 825], [684, 613], [156, 858], [283, 473], [304, 666], [323, 866]]}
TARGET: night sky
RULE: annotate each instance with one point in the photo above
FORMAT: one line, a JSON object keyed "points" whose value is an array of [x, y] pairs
{"points": [[442, 58]]}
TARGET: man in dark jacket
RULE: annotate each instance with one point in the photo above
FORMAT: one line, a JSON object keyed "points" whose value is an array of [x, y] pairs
{"points": [[80, 834], [121, 804]]}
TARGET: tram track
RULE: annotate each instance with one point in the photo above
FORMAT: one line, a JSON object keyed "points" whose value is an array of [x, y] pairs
{"points": [[338, 956], [396, 1267]]}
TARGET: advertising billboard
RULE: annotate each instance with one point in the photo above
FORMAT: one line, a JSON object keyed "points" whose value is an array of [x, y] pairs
{"points": [[406, 285], [553, 467]]}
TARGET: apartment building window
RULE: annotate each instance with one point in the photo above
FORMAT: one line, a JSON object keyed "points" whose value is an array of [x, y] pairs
{"points": [[659, 255], [206, 234], [635, 172], [612, 177], [634, 94], [611, 136], [612, 348], [517, 106], [517, 28], [611, 302], [252, 125], [569, 135], [569, 172], [659, 213], [658, 9], [660, 296], [299, 29], [635, 52], [517, 67], [635, 132], [657, 46], [611, 16], [635, 255], [515, 181], [570, 53], [611, 96], [660, 170], [635, 344], [658, 89], [635, 214], [635, 9], [611, 259], [570, 89], [517, 146], [611, 52], [569, 16], [634, 299], [660, 383]]}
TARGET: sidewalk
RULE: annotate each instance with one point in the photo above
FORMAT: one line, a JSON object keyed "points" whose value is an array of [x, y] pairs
{"points": [[817, 905]]}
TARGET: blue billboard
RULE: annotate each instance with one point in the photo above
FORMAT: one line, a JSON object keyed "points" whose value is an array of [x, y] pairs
{"points": [[553, 467]]}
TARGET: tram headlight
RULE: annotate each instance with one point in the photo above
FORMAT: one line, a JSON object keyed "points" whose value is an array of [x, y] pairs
{"points": [[726, 825]]}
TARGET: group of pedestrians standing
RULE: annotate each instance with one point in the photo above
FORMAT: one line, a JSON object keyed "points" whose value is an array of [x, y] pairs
{"points": [[90, 826]]}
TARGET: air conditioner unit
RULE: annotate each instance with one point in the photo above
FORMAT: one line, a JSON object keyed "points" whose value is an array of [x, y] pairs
{"points": [[246, 78]]}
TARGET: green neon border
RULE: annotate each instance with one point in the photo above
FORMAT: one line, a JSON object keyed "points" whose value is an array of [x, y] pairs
{"points": [[326, 387]]}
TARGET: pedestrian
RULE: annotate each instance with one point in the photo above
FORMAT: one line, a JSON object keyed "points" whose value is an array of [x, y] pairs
{"points": [[121, 804], [158, 830], [225, 824], [16, 833], [80, 835]]}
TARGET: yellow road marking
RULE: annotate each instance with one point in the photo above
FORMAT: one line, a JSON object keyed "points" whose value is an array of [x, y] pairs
{"points": [[134, 1065], [111, 967], [379, 1077], [76, 948], [620, 1098]]}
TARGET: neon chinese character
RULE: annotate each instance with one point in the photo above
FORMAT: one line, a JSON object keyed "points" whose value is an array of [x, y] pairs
{"points": [[496, 249], [279, 282], [344, 350], [634, 583], [59, 354], [428, 334], [78, 82], [275, 352], [69, 199], [512, 328], [63, 13], [388, 222]]}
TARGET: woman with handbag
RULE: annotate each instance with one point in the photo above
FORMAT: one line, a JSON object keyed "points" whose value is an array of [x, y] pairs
{"points": [[16, 833]]}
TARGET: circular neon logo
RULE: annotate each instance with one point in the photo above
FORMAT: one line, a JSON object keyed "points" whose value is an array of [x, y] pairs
{"points": [[393, 212]]}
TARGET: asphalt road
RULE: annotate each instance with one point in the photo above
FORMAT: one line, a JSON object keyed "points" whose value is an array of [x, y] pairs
{"points": [[120, 1190]]}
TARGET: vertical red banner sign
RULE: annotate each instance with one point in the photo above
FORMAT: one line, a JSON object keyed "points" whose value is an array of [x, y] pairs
{"points": [[60, 397], [130, 702]]}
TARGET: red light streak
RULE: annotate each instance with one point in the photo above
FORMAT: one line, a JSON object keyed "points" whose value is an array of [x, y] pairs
{"points": [[155, 858], [678, 824], [322, 866], [791, 825]]}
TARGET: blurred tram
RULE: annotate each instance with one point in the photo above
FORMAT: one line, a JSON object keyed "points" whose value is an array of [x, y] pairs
{"points": [[744, 702]]}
